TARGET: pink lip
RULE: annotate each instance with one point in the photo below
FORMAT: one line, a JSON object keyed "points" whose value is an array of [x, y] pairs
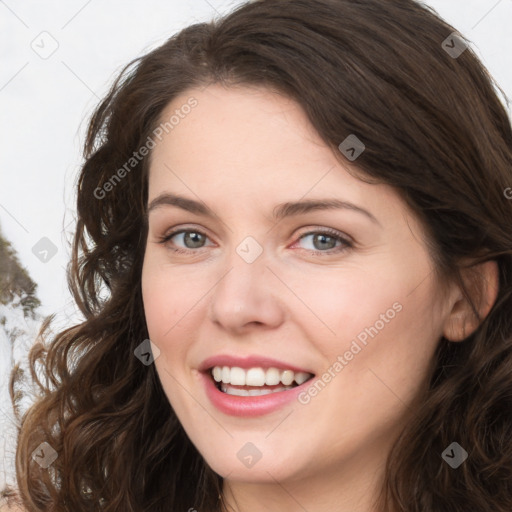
{"points": [[249, 405], [248, 362]]}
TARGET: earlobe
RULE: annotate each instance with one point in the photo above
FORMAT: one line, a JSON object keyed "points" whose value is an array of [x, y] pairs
{"points": [[483, 287]]}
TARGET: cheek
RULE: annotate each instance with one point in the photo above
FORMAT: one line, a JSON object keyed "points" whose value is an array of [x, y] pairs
{"points": [[338, 304], [159, 297], [162, 311], [376, 319], [391, 351], [172, 308], [170, 322]]}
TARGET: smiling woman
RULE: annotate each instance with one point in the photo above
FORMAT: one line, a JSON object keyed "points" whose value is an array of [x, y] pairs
{"points": [[309, 277]]}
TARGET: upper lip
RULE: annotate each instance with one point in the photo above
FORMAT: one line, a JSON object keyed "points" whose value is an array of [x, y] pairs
{"points": [[253, 361]]}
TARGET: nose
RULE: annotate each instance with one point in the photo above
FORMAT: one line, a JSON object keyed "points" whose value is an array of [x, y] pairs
{"points": [[247, 295]]}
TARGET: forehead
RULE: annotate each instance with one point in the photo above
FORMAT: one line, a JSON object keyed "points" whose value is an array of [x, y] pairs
{"points": [[250, 145], [242, 126]]}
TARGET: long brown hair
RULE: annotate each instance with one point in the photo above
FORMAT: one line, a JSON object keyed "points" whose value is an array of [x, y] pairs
{"points": [[433, 128]]}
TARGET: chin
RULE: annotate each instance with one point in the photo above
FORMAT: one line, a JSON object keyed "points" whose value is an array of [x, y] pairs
{"points": [[258, 461]]}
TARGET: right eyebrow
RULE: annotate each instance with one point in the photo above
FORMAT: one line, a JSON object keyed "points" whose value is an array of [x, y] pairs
{"points": [[189, 205]]}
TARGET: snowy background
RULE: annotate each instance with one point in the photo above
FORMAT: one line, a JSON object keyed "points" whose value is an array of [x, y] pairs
{"points": [[58, 60]]}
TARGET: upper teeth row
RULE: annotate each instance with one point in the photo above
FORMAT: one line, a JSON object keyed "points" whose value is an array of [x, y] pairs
{"points": [[257, 376]]}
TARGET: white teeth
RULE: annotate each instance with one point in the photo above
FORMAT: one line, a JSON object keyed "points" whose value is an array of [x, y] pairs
{"points": [[301, 377], [287, 377], [237, 376], [217, 373], [235, 391], [272, 377], [229, 390], [259, 392], [257, 376]]}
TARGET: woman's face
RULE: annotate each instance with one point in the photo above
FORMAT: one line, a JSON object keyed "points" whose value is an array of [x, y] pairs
{"points": [[251, 280]]}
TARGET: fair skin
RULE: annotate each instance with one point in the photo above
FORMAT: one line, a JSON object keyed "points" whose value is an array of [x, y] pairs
{"points": [[243, 151]]}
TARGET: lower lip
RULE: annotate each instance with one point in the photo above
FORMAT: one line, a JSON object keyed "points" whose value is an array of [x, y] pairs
{"points": [[249, 405]]}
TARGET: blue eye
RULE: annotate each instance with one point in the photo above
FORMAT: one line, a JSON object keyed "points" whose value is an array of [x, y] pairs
{"points": [[325, 241], [194, 237]]}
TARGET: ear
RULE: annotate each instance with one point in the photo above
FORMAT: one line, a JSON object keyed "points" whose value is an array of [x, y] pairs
{"points": [[482, 282]]}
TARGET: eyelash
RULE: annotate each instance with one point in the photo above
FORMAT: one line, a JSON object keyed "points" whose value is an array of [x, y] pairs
{"points": [[324, 231]]}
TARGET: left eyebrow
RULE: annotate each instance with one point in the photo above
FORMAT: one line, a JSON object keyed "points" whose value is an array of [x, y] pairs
{"points": [[301, 207], [281, 211]]}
